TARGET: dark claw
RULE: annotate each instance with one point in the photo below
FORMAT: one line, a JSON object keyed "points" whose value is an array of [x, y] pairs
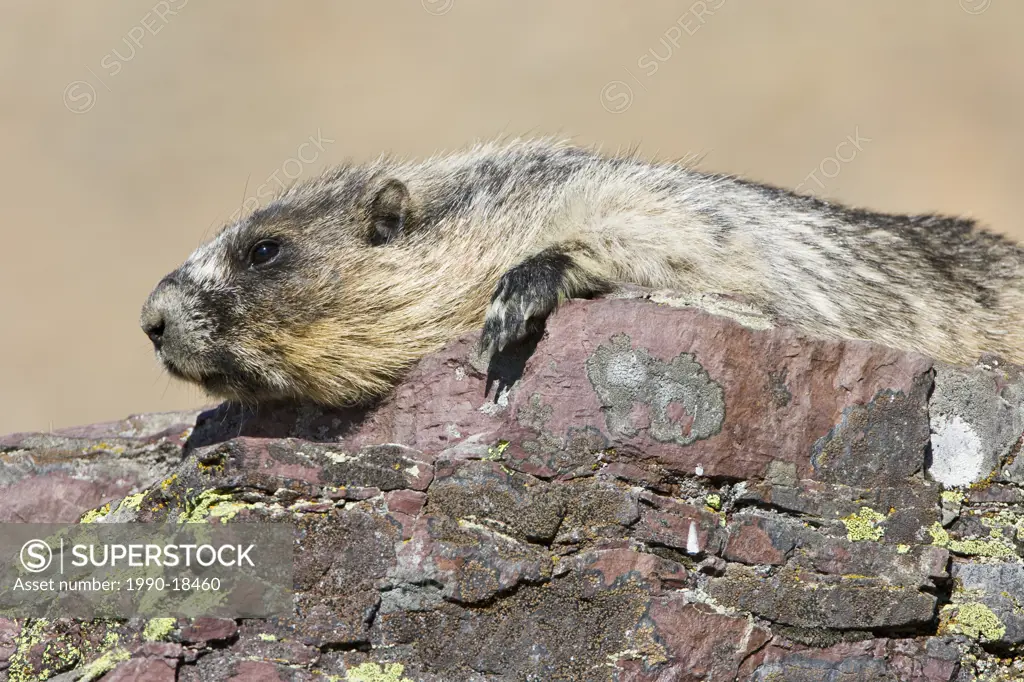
{"points": [[500, 330], [524, 296]]}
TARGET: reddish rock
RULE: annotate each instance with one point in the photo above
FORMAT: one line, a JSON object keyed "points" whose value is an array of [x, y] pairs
{"points": [[615, 566], [9, 630], [921, 660], [1001, 494], [56, 477], [701, 645], [159, 649], [308, 467], [405, 506], [853, 400], [910, 505], [255, 671], [760, 540], [144, 670], [351, 493], [470, 563], [918, 566], [775, 540], [209, 630], [408, 502], [552, 524], [679, 525]]}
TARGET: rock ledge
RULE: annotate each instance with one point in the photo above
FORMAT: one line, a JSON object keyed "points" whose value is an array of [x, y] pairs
{"points": [[651, 493]]}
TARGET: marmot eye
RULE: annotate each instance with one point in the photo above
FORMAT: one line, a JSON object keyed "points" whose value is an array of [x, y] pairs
{"points": [[263, 252]]}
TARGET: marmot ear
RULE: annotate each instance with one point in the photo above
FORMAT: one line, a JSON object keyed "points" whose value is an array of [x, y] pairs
{"points": [[389, 212]]}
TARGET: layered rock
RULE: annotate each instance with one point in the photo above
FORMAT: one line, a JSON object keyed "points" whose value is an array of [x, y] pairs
{"points": [[650, 492]]}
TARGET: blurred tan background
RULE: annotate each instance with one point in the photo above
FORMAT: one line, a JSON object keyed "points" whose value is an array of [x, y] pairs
{"points": [[131, 129]]}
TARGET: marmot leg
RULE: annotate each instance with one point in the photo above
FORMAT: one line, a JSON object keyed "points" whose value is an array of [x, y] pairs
{"points": [[528, 292]]}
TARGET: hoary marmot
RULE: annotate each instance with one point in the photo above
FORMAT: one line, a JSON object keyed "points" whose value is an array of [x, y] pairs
{"points": [[333, 290]]}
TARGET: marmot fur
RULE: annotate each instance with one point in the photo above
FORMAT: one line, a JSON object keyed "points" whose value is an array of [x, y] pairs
{"points": [[333, 290]]}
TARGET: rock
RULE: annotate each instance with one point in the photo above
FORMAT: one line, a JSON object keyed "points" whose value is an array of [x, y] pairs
{"points": [[673, 523], [772, 540], [56, 477], [470, 563], [144, 670], [649, 493], [998, 588], [880, 660], [555, 421], [9, 629], [703, 645], [519, 505], [808, 600], [209, 630], [255, 671], [977, 415]]}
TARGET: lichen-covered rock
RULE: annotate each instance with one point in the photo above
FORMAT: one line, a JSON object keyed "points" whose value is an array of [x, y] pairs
{"points": [[651, 493], [994, 595], [808, 600], [977, 415], [56, 477]]}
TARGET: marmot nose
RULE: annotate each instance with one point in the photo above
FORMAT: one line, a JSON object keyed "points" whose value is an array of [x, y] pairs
{"points": [[153, 323], [153, 320], [154, 329]]}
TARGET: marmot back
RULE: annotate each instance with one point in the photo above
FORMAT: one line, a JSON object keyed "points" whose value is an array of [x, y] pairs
{"points": [[332, 291]]}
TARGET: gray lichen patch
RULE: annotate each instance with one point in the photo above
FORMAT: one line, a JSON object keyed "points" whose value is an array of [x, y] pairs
{"points": [[878, 442], [958, 457], [977, 415], [681, 401]]}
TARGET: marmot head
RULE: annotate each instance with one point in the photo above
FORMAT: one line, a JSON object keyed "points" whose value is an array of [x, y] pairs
{"points": [[297, 299]]}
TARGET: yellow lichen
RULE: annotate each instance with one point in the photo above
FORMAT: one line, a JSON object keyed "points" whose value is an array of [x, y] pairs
{"points": [[864, 525], [374, 672], [61, 651], [953, 496], [20, 668], [997, 547], [211, 503], [94, 515], [105, 447], [714, 501], [939, 535], [131, 502], [158, 628], [495, 451], [104, 664], [267, 637], [973, 619], [902, 549]]}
